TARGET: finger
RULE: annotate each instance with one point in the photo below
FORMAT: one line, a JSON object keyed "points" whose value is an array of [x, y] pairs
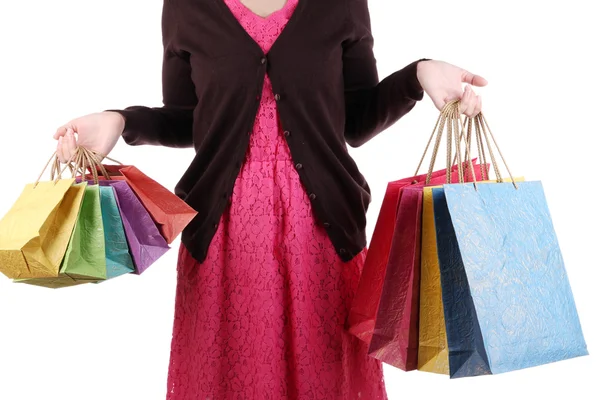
{"points": [[471, 104], [472, 107], [60, 150], [478, 106], [473, 79], [470, 111], [60, 132], [70, 144], [466, 99]]}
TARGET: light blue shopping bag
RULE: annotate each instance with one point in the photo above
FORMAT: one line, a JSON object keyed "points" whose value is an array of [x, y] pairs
{"points": [[515, 286], [466, 352]]}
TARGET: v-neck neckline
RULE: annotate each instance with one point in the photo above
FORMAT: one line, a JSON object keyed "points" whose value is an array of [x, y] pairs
{"points": [[288, 27], [273, 14]]}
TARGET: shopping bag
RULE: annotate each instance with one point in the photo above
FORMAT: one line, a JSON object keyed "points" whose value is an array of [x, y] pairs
{"points": [[58, 282], [35, 232], [84, 261], [433, 344], [467, 355], [395, 333], [86, 254], [113, 172], [170, 213], [386, 302], [146, 244], [118, 258], [363, 312], [504, 282], [85, 258]]}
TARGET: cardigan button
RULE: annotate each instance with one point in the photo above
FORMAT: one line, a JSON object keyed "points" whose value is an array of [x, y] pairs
{"points": [[298, 166], [263, 60], [277, 97], [312, 196], [286, 133], [326, 224], [343, 251]]}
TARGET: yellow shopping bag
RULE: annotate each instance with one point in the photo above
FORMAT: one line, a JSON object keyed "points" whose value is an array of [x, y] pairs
{"points": [[35, 232], [433, 346]]}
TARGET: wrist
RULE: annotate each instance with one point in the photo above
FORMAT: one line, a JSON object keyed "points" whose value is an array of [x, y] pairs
{"points": [[119, 119], [421, 66]]}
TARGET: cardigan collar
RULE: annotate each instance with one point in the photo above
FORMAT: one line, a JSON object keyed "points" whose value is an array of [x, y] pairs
{"points": [[251, 42]]}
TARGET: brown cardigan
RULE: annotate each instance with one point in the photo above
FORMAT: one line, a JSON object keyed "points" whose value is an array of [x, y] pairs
{"points": [[325, 80]]}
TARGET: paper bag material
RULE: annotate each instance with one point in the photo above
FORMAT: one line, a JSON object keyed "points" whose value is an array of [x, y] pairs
{"points": [[86, 254], [467, 355], [513, 271], [35, 232], [118, 258], [146, 244], [58, 282], [433, 345], [170, 213], [395, 336], [363, 312], [85, 261]]}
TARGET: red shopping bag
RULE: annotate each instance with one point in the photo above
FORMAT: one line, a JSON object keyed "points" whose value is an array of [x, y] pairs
{"points": [[395, 338], [361, 320], [170, 213], [112, 171], [364, 311]]}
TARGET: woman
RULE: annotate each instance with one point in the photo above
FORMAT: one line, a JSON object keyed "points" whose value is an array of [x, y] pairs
{"points": [[269, 92]]}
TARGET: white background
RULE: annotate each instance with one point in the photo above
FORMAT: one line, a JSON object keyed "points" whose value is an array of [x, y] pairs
{"points": [[63, 58]]}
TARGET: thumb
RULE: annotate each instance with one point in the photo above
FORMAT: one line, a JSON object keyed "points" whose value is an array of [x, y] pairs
{"points": [[473, 79]]}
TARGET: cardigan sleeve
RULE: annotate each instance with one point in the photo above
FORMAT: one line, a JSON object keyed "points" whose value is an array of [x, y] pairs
{"points": [[171, 124], [372, 106]]}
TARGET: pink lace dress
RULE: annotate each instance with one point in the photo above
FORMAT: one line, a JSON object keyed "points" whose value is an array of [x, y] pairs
{"points": [[263, 317]]}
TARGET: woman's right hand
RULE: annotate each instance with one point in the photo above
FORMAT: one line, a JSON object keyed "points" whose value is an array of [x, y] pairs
{"points": [[99, 132]]}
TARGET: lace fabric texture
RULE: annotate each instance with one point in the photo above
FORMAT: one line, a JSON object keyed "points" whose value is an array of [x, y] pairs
{"points": [[263, 317]]}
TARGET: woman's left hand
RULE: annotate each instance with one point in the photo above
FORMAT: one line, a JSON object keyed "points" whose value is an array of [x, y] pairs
{"points": [[443, 82]]}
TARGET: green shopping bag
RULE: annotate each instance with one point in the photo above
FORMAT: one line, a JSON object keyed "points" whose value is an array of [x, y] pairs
{"points": [[86, 254]]}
